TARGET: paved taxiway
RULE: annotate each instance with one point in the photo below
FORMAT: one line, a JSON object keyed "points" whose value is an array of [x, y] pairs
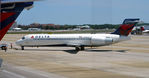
{"points": [[129, 59]]}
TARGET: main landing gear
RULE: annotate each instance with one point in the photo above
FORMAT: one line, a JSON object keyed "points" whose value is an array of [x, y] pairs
{"points": [[80, 48], [22, 47]]}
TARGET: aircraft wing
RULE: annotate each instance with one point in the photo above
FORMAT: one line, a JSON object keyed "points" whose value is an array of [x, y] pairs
{"points": [[16, 1]]}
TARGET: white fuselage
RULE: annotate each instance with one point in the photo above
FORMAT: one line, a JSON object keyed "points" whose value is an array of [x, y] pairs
{"points": [[75, 40]]}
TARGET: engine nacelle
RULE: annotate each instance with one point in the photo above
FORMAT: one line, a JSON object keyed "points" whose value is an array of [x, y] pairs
{"points": [[108, 40], [101, 41]]}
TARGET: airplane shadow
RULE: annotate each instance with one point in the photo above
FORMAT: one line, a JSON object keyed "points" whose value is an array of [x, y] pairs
{"points": [[40, 50], [68, 51], [72, 51], [122, 51], [89, 50]]}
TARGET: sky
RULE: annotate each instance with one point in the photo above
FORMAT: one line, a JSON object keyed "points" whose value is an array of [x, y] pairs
{"points": [[76, 12]]}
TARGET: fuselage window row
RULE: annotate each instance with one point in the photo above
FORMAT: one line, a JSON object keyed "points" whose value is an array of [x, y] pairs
{"points": [[48, 38]]}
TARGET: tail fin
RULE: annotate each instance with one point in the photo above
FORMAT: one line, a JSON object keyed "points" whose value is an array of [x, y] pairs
{"points": [[126, 27], [9, 13]]}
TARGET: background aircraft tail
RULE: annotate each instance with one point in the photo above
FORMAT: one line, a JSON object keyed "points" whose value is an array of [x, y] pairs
{"points": [[126, 27], [9, 13]]}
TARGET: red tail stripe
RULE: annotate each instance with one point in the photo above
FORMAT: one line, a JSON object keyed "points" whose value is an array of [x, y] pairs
{"points": [[4, 16], [4, 30], [126, 29]]}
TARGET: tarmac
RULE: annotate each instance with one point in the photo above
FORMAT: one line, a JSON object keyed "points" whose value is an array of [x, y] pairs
{"points": [[128, 59]]}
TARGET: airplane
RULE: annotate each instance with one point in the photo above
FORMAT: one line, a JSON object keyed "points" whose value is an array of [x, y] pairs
{"points": [[10, 10], [146, 31], [17, 29], [79, 41]]}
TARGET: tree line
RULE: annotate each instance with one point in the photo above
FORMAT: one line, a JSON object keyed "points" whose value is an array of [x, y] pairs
{"points": [[66, 27]]}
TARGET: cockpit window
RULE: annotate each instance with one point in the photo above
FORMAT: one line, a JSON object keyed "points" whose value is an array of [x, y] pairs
{"points": [[23, 38]]}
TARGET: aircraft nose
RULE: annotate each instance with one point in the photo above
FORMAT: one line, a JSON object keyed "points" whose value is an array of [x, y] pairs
{"points": [[19, 42]]}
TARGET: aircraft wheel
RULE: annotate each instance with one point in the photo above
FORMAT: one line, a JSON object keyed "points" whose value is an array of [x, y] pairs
{"points": [[77, 48], [22, 47], [82, 48]]}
